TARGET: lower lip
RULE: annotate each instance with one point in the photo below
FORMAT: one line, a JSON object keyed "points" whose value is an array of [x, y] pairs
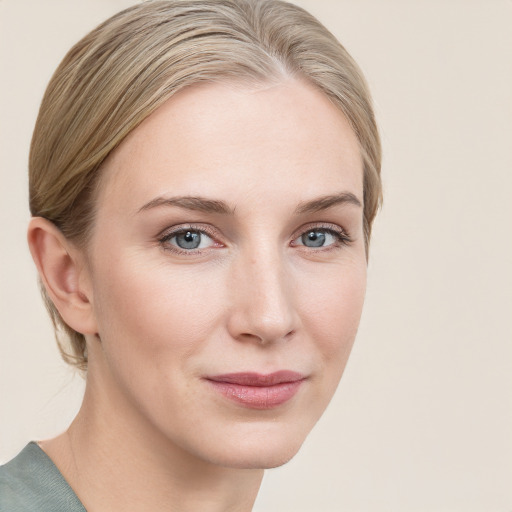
{"points": [[258, 397]]}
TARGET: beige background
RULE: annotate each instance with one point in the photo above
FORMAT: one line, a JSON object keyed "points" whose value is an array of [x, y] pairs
{"points": [[423, 418]]}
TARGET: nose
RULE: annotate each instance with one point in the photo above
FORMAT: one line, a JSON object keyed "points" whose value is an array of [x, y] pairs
{"points": [[262, 299]]}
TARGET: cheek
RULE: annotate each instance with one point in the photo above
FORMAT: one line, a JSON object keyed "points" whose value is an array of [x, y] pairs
{"points": [[154, 308], [333, 304]]}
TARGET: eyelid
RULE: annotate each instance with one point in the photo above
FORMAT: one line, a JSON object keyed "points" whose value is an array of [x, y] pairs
{"points": [[322, 226], [173, 231], [180, 228]]}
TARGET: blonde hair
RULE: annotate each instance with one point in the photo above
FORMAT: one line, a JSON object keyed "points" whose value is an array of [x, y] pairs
{"points": [[123, 70]]}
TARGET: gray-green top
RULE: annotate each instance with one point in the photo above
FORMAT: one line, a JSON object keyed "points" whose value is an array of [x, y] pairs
{"points": [[32, 483]]}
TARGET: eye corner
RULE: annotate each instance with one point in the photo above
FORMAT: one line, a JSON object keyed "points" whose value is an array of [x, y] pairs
{"points": [[336, 235]]}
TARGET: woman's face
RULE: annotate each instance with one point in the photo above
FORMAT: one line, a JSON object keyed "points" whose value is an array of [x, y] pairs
{"points": [[226, 270]]}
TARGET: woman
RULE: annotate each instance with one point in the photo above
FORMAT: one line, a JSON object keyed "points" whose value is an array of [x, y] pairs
{"points": [[203, 180]]}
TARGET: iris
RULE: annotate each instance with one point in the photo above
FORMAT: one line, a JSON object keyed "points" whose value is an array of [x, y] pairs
{"points": [[313, 239], [188, 240]]}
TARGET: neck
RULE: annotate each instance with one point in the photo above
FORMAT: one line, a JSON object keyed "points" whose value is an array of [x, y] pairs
{"points": [[114, 460]]}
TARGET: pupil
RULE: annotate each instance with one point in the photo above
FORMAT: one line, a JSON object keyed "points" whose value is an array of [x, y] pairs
{"points": [[313, 239], [188, 240]]}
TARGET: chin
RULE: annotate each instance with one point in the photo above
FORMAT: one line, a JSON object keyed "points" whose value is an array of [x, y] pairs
{"points": [[264, 459], [258, 450], [270, 461]]}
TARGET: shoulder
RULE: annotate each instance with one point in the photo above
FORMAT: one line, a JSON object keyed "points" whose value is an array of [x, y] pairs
{"points": [[31, 482]]}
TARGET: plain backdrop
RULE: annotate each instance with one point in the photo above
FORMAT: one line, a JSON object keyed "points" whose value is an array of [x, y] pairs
{"points": [[422, 420]]}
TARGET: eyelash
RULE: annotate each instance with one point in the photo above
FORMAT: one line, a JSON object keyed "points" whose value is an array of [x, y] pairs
{"points": [[169, 235], [341, 236]]}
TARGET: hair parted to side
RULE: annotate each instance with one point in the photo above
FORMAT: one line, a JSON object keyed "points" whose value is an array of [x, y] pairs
{"points": [[123, 70]]}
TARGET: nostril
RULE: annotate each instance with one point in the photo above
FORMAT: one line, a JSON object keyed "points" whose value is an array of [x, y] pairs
{"points": [[266, 340]]}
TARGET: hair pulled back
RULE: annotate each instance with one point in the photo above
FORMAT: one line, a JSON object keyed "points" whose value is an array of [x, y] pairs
{"points": [[123, 70]]}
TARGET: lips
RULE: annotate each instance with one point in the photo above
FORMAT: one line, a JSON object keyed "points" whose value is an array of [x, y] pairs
{"points": [[258, 391]]}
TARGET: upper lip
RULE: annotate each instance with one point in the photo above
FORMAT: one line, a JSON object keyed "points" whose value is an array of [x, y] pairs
{"points": [[258, 379]]}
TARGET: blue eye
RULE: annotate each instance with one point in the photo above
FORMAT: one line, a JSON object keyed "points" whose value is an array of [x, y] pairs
{"points": [[188, 240], [314, 238], [322, 237]]}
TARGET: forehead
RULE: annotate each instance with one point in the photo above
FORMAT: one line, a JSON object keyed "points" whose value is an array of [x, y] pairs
{"points": [[281, 139]]}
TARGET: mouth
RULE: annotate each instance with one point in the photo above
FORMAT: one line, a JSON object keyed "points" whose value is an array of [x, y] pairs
{"points": [[258, 391]]}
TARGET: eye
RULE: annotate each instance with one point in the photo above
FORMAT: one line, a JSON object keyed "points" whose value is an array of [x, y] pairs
{"points": [[322, 237], [186, 240], [317, 238]]}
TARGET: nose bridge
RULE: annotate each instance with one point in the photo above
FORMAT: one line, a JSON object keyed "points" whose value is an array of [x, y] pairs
{"points": [[263, 305]]}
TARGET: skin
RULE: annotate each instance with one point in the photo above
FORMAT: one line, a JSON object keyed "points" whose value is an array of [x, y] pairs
{"points": [[152, 432]]}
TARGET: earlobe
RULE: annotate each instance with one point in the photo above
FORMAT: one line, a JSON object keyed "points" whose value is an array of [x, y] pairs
{"points": [[61, 270]]}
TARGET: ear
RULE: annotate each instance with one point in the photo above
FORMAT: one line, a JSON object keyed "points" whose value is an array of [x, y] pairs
{"points": [[64, 274]]}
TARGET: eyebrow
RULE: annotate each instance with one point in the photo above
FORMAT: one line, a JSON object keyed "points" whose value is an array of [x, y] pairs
{"points": [[196, 203], [326, 202], [203, 204]]}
